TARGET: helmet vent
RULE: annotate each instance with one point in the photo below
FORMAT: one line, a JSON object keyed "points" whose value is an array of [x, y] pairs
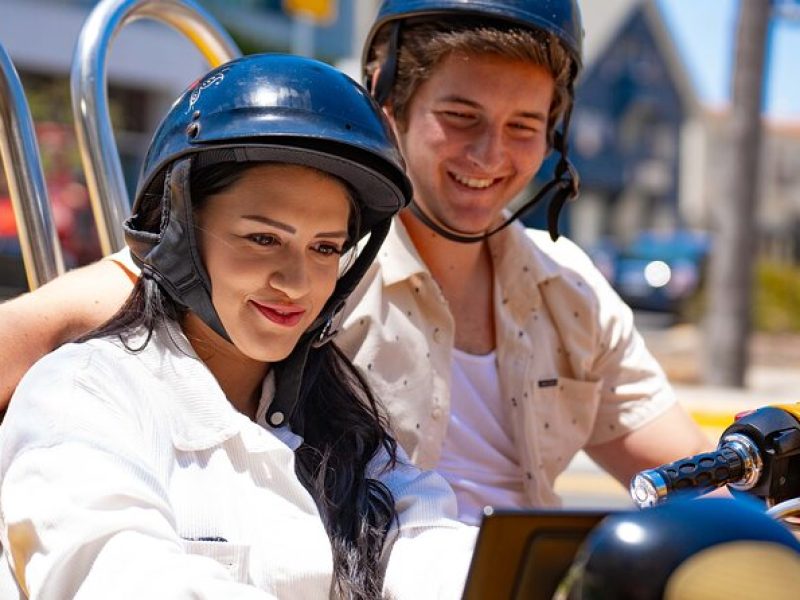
{"points": [[192, 130]]}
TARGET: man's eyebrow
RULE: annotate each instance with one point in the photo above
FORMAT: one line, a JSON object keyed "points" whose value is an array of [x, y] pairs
{"points": [[538, 116], [289, 229]]}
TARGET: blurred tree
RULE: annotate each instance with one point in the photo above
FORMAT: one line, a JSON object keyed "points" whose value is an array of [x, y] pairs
{"points": [[729, 320]]}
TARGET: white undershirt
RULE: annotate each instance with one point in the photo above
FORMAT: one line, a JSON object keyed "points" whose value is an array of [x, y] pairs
{"points": [[479, 458]]}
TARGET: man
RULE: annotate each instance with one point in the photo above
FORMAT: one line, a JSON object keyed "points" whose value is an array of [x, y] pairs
{"points": [[498, 354]]}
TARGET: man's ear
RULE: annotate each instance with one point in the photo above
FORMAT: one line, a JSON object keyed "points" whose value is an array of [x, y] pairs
{"points": [[373, 81]]}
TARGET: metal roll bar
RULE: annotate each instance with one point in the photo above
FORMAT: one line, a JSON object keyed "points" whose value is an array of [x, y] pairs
{"points": [[101, 163], [41, 250]]}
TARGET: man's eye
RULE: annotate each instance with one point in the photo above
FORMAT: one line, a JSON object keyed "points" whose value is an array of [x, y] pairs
{"points": [[262, 239], [524, 128], [454, 114]]}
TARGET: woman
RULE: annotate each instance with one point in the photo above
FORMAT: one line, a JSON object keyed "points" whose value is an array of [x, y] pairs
{"points": [[209, 441]]}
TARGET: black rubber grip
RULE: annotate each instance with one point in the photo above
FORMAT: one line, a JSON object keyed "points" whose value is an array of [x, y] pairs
{"points": [[704, 472]]}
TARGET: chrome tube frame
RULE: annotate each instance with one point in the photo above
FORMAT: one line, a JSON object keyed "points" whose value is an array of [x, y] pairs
{"points": [[41, 250], [98, 149]]}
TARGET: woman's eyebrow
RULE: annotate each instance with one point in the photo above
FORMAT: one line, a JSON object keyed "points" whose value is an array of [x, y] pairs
{"points": [[272, 222], [289, 229], [332, 234]]}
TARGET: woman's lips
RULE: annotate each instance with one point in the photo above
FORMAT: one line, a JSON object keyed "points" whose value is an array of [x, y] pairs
{"points": [[281, 314]]}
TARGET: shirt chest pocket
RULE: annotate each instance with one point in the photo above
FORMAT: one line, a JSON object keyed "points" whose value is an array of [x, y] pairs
{"points": [[234, 557], [564, 415]]}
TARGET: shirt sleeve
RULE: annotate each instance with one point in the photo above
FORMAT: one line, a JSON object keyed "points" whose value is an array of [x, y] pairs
{"points": [[85, 514], [431, 551], [124, 261], [634, 388]]}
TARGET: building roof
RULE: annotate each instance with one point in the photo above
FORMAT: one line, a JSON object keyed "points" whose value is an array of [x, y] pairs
{"points": [[602, 20], [700, 38]]}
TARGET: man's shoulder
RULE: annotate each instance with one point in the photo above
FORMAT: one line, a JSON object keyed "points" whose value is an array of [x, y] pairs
{"points": [[558, 255]]}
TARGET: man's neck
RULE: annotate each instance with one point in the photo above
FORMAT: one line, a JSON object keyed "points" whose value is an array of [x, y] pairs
{"points": [[465, 277]]}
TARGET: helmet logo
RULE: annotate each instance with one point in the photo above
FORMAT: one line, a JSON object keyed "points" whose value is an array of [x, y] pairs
{"points": [[215, 79]]}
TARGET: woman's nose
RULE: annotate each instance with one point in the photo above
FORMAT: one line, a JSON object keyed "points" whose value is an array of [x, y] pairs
{"points": [[291, 277]]}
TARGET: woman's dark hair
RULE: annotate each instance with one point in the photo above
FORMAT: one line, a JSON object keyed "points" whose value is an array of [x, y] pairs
{"points": [[343, 426]]}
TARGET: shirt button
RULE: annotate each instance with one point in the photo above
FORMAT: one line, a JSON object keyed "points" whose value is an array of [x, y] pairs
{"points": [[276, 418], [436, 413]]}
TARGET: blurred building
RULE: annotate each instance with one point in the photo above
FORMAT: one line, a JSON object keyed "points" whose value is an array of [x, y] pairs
{"points": [[648, 148], [632, 102], [651, 151]]}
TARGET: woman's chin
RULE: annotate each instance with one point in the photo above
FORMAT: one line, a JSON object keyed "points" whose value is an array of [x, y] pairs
{"points": [[261, 352]]}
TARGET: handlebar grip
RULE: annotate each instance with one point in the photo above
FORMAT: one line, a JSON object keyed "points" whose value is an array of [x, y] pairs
{"points": [[694, 476]]}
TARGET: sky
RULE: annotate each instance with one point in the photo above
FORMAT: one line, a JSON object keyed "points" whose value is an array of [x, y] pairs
{"points": [[705, 31]]}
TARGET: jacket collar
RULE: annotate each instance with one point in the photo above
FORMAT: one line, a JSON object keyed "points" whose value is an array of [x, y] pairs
{"points": [[201, 417]]}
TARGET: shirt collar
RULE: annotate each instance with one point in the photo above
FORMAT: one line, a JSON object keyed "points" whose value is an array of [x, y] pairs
{"points": [[518, 262], [398, 257], [201, 416], [521, 266]]}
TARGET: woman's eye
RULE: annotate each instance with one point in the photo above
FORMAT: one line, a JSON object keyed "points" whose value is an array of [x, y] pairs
{"points": [[262, 239], [328, 249]]}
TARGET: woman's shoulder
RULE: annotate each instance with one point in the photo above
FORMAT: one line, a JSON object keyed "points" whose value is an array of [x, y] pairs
{"points": [[108, 364], [74, 358], [82, 365]]}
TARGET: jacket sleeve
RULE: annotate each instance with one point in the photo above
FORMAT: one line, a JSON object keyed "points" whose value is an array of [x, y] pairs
{"points": [[431, 551], [85, 513]]}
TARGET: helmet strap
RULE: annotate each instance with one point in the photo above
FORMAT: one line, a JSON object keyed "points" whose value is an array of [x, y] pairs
{"points": [[382, 89], [163, 257]]}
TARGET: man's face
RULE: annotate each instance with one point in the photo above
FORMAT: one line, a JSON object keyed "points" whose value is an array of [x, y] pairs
{"points": [[474, 135]]}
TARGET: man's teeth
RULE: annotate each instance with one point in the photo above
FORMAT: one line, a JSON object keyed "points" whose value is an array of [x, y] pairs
{"points": [[473, 183]]}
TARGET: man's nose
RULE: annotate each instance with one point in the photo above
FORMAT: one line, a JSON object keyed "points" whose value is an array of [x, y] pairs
{"points": [[488, 149]]}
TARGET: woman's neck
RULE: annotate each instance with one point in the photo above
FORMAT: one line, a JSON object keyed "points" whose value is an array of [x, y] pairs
{"points": [[239, 376]]}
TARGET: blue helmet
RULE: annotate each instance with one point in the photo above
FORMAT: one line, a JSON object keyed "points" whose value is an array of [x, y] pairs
{"points": [[706, 548], [265, 108], [561, 18]]}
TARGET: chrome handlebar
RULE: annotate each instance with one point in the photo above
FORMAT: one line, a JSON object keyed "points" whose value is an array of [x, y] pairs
{"points": [[99, 154], [41, 251]]}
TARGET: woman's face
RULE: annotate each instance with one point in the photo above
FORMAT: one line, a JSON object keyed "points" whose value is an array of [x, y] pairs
{"points": [[271, 244]]}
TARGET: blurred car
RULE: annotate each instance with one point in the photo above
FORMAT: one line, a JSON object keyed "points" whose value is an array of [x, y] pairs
{"points": [[658, 270]]}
